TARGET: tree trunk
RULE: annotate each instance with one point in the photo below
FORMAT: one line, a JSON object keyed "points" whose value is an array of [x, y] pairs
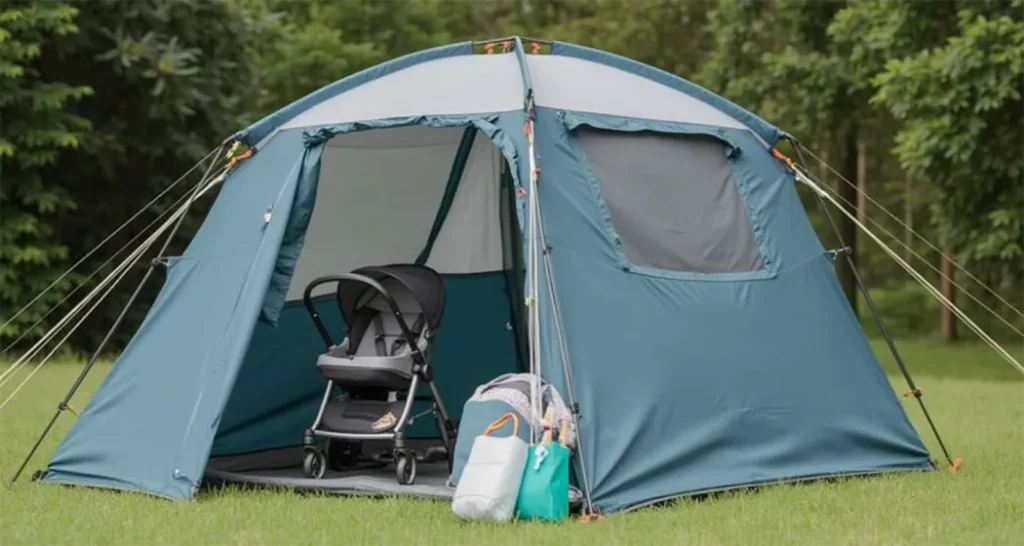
{"points": [[862, 180], [947, 321], [847, 229]]}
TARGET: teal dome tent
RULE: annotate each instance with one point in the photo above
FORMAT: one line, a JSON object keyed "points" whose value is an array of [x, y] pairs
{"points": [[624, 233]]}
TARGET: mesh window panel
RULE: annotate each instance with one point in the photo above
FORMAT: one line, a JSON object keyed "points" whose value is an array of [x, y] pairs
{"points": [[673, 201]]}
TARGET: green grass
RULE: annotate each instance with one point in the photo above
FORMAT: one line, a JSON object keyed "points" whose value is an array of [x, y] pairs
{"points": [[977, 401]]}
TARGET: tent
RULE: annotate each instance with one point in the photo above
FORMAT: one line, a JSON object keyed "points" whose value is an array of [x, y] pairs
{"points": [[626, 234]]}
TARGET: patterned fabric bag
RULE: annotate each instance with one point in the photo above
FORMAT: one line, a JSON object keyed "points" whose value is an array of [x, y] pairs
{"points": [[509, 392]]}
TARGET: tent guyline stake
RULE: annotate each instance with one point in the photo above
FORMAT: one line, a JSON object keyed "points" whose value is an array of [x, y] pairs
{"points": [[104, 241], [124, 312], [874, 313], [930, 245]]}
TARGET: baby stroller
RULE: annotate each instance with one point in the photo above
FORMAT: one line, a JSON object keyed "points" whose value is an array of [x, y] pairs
{"points": [[392, 313]]}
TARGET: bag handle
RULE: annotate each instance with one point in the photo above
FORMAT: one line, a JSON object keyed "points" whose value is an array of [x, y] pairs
{"points": [[504, 418]]}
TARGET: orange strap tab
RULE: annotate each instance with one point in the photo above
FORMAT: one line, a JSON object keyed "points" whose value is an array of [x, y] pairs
{"points": [[504, 418], [957, 463], [534, 48], [239, 158], [70, 408], [591, 518], [916, 393], [506, 45], [782, 157], [489, 48]]}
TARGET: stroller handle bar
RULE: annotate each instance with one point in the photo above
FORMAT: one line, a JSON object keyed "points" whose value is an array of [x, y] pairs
{"points": [[307, 300]]}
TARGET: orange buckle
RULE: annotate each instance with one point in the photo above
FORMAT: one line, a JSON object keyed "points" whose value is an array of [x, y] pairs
{"points": [[781, 157], [916, 393], [593, 517], [489, 48], [957, 463], [239, 158], [534, 48]]}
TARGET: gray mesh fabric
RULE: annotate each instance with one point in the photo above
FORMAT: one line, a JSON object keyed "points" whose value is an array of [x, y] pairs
{"points": [[673, 201]]}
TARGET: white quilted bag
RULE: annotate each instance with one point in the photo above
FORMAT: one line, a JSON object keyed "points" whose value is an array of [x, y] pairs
{"points": [[490, 481]]}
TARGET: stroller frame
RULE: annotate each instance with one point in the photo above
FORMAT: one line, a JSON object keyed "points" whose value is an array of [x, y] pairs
{"points": [[314, 461]]}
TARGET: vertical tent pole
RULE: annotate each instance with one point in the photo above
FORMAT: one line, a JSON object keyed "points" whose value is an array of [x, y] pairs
{"points": [[532, 306], [63, 405], [914, 391], [536, 254]]}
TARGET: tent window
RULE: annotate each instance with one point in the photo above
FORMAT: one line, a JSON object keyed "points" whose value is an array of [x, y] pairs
{"points": [[673, 201]]}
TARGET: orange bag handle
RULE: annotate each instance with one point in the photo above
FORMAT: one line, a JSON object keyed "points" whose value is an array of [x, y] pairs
{"points": [[504, 418]]}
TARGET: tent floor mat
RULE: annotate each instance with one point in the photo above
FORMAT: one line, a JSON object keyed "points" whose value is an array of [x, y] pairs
{"points": [[431, 480]]}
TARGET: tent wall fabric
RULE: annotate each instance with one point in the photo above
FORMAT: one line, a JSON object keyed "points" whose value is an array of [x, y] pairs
{"points": [[707, 349]]}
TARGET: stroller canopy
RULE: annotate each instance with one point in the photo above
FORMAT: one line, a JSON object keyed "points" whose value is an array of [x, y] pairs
{"points": [[421, 283]]}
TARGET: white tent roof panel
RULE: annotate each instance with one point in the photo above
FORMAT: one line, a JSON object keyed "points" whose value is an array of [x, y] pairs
{"points": [[468, 84], [475, 84], [576, 84]]}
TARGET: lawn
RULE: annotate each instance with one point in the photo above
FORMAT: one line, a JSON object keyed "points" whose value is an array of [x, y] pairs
{"points": [[976, 399]]}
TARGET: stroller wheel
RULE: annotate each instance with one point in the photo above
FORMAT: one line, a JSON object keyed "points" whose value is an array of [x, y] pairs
{"points": [[314, 464], [405, 469]]}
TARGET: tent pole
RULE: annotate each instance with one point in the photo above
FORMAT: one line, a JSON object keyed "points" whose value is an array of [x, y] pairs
{"points": [[914, 391], [63, 405]]}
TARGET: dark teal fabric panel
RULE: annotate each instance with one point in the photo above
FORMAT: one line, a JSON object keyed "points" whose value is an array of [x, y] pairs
{"points": [[572, 120], [254, 133], [475, 343], [294, 235], [692, 386], [149, 426], [278, 389]]}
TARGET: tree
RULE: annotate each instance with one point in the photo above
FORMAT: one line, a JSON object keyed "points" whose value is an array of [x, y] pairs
{"points": [[175, 79], [950, 74], [322, 41], [38, 125]]}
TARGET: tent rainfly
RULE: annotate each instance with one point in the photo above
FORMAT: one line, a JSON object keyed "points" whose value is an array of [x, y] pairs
{"points": [[633, 238]]}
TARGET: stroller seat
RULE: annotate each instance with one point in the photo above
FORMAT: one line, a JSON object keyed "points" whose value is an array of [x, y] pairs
{"points": [[392, 313], [381, 356]]}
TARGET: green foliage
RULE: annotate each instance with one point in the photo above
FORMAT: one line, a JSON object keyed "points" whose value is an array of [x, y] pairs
{"points": [[105, 102], [962, 113], [38, 125], [172, 80], [321, 41]]}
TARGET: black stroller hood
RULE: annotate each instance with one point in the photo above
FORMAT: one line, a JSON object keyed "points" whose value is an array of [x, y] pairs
{"points": [[423, 283]]}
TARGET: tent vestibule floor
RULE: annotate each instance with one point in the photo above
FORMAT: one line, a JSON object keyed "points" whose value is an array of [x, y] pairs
{"points": [[282, 468]]}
